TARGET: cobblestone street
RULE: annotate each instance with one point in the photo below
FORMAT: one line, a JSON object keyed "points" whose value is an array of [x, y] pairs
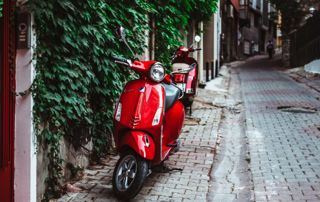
{"points": [[283, 144], [254, 139]]}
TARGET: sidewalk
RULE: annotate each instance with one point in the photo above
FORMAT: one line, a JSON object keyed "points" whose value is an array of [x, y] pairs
{"points": [[309, 79], [195, 158]]}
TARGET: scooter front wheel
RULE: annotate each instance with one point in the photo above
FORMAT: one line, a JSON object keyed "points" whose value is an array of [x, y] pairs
{"points": [[129, 175]]}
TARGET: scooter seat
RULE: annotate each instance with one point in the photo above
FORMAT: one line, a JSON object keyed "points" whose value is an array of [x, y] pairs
{"points": [[180, 67], [172, 95]]}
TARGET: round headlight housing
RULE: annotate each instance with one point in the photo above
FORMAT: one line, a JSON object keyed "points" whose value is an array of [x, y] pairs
{"points": [[157, 72]]}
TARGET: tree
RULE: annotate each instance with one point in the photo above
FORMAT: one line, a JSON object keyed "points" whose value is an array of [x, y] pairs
{"points": [[292, 12]]}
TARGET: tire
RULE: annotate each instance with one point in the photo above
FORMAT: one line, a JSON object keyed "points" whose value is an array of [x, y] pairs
{"points": [[129, 175]]}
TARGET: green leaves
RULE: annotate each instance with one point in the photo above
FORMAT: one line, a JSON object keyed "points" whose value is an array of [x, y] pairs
{"points": [[1, 4], [172, 18]]}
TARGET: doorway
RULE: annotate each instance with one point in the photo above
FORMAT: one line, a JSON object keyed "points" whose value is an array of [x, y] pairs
{"points": [[7, 100]]}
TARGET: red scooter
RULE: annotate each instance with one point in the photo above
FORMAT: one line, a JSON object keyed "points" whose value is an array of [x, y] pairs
{"points": [[185, 73], [147, 123]]}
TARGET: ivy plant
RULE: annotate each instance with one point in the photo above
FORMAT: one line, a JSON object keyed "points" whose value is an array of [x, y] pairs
{"points": [[76, 82], [1, 4], [172, 19]]}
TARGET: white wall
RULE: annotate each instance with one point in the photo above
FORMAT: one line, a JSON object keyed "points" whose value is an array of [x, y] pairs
{"points": [[25, 143], [200, 55], [216, 37]]}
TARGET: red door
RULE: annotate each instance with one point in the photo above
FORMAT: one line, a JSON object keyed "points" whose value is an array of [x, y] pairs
{"points": [[7, 100]]}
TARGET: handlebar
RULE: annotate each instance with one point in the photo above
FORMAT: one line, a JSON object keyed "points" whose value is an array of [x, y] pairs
{"points": [[195, 49], [116, 58], [120, 60]]}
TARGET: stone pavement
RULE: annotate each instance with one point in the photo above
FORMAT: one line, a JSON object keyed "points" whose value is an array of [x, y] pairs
{"points": [[231, 174], [195, 158], [284, 146]]}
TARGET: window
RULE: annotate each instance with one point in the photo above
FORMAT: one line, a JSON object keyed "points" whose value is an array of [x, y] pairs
{"points": [[258, 4], [257, 20]]}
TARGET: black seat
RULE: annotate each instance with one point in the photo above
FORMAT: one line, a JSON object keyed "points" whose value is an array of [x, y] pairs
{"points": [[172, 95]]}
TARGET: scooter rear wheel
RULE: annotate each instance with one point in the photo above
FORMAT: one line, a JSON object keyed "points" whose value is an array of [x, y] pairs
{"points": [[129, 175]]}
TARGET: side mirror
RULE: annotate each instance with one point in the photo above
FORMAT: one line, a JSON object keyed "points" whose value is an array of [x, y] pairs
{"points": [[121, 33], [197, 38]]}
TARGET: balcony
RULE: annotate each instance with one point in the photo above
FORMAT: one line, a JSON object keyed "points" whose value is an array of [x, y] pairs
{"points": [[244, 16], [244, 12]]}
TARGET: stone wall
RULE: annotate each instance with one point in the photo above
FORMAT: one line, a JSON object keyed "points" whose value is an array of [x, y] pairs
{"points": [[79, 158]]}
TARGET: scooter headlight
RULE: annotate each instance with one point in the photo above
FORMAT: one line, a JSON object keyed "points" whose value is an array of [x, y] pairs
{"points": [[157, 72], [118, 112]]}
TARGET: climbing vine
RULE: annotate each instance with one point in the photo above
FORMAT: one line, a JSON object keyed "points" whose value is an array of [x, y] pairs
{"points": [[172, 20], [76, 83], [1, 4]]}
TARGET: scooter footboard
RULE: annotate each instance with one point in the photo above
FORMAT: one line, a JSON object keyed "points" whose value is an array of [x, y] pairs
{"points": [[140, 142]]}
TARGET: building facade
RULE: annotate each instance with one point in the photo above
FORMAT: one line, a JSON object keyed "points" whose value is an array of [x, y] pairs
{"points": [[230, 29], [7, 84], [17, 145], [212, 45], [256, 26]]}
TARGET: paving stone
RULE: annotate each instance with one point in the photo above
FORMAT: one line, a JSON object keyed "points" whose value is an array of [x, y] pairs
{"points": [[282, 143]]}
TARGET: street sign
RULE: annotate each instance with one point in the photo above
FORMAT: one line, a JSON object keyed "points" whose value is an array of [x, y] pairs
{"points": [[24, 31]]}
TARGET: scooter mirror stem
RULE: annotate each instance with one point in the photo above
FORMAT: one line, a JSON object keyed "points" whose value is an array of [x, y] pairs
{"points": [[122, 34]]}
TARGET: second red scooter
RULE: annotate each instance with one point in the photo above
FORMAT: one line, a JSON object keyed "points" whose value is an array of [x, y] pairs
{"points": [[185, 73]]}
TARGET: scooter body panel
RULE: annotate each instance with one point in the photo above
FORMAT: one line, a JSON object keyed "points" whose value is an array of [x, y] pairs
{"points": [[190, 79], [191, 83], [140, 101], [140, 142], [172, 126]]}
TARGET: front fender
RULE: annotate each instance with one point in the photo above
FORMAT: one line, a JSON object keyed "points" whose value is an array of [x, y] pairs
{"points": [[140, 142]]}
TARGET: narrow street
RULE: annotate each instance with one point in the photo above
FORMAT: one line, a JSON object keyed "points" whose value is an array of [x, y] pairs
{"points": [[253, 137], [282, 123]]}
